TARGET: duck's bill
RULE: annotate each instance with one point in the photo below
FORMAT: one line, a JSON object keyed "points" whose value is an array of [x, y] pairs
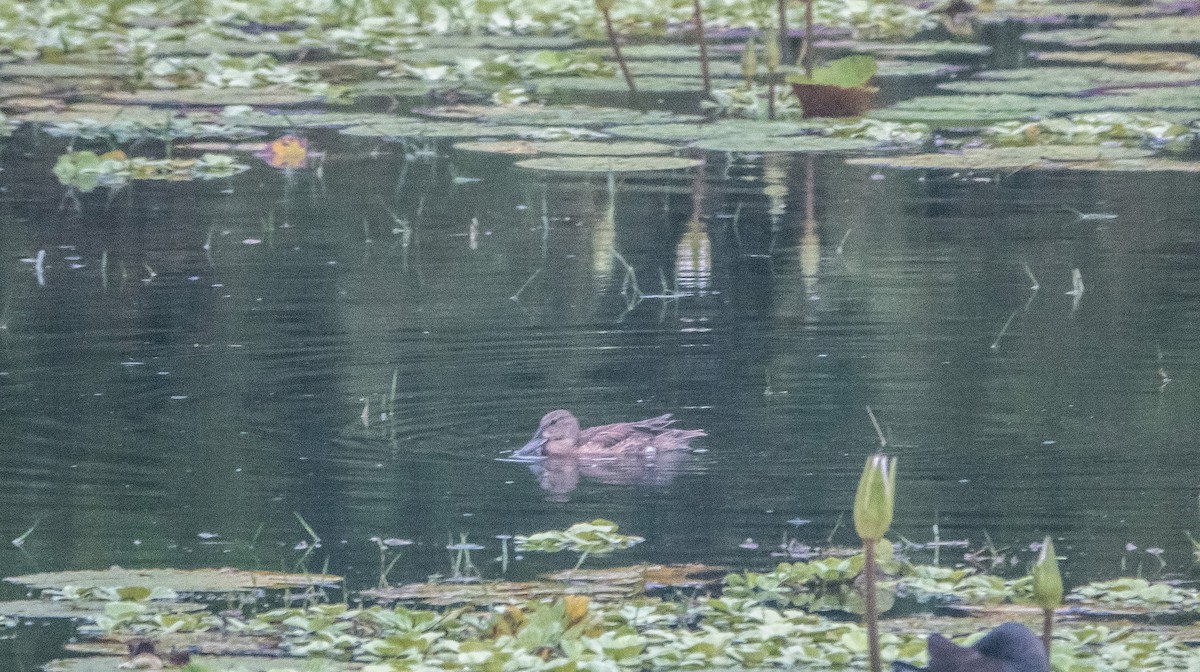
{"points": [[531, 449]]}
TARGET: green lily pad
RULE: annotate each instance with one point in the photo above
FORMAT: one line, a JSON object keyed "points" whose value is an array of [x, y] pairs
{"points": [[180, 580], [654, 84], [547, 115], [909, 49], [308, 119], [789, 144], [899, 68], [718, 129], [1038, 157], [608, 164], [423, 128], [966, 110], [496, 42], [208, 45], [506, 147], [64, 70], [1150, 60], [1168, 30], [264, 97], [83, 609], [1041, 11], [653, 52], [683, 69], [589, 148], [1062, 80], [412, 87]]}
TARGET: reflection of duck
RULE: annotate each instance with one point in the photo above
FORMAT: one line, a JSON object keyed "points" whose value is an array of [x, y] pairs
{"points": [[559, 476], [558, 435], [1011, 647]]}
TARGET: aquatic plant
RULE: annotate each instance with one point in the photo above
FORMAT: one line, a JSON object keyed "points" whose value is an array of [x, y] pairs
{"points": [[1047, 589], [598, 537], [873, 505], [838, 89], [87, 170], [606, 7]]}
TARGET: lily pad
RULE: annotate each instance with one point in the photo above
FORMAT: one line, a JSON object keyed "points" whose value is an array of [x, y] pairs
{"points": [[908, 49], [1037, 157], [899, 68], [496, 42], [83, 609], [445, 594], [208, 45], [507, 147], [1061, 12], [422, 128], [1062, 80], [641, 577], [64, 70], [608, 164], [1170, 30], [653, 52], [683, 69], [222, 580], [1150, 60], [263, 97], [547, 115], [967, 110], [645, 84], [737, 127], [789, 144], [308, 119], [586, 148]]}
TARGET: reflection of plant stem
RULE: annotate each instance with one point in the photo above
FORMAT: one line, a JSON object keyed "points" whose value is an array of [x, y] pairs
{"points": [[583, 556], [878, 431], [1003, 330], [517, 297], [1032, 278], [616, 47], [842, 245], [698, 14]]}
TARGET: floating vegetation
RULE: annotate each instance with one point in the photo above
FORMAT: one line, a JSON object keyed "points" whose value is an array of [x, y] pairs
{"points": [[548, 115], [223, 580], [87, 170], [265, 97], [1160, 31], [1095, 129], [1153, 60], [1036, 157], [909, 49], [788, 144], [1063, 80], [973, 110], [599, 537], [608, 164]]}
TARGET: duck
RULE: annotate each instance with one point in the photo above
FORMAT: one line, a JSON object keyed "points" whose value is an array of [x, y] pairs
{"points": [[1010, 647], [558, 435]]}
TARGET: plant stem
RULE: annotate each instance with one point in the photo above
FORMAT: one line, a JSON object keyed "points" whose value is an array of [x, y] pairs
{"points": [[612, 39], [783, 38], [808, 37], [698, 14], [771, 96], [583, 556], [1047, 629], [872, 611]]}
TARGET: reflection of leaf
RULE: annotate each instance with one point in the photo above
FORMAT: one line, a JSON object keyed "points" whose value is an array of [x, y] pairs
{"points": [[286, 152]]}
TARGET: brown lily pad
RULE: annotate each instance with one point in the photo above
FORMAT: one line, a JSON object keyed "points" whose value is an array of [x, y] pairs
{"points": [[264, 97], [642, 577], [224, 580], [445, 594]]}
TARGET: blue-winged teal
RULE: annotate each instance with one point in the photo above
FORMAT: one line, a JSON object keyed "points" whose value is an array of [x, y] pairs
{"points": [[1011, 647], [559, 435]]}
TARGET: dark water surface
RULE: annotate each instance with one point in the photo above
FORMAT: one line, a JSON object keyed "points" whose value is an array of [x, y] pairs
{"points": [[152, 389]]}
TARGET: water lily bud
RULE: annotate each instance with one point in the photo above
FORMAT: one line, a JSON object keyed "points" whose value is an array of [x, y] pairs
{"points": [[1047, 580], [605, 5], [750, 61], [771, 50], [575, 608], [876, 497]]}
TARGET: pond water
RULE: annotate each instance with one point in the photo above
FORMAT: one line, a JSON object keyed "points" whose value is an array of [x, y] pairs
{"points": [[215, 358]]}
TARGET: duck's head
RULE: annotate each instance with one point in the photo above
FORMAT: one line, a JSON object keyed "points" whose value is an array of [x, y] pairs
{"points": [[557, 434]]}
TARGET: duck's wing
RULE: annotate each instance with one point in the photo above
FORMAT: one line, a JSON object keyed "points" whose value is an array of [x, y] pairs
{"points": [[615, 437]]}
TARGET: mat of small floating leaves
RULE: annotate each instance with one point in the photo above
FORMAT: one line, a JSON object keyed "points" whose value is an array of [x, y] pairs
{"points": [[400, 127], [608, 164], [1170, 30], [1140, 594], [546, 115], [181, 580], [1063, 80], [1036, 157]]}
